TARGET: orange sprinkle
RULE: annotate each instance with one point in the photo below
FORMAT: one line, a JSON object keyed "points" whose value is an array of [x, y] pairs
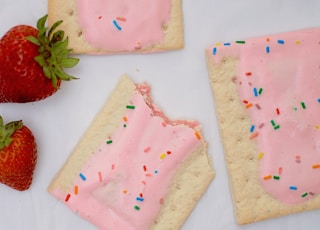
{"points": [[197, 135], [249, 105], [267, 177], [76, 190], [125, 191], [316, 166], [254, 135], [268, 39], [121, 19], [125, 118]]}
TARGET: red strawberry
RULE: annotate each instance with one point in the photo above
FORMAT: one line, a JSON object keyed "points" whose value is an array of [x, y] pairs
{"points": [[32, 62], [18, 155]]}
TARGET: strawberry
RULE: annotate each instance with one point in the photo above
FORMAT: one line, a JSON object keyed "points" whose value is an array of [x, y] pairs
{"points": [[32, 62], [18, 155]]}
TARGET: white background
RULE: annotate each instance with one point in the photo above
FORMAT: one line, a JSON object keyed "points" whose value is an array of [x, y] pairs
{"points": [[180, 86]]}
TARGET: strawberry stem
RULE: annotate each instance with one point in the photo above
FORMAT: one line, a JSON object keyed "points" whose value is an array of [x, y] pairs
{"points": [[53, 51], [7, 130]]}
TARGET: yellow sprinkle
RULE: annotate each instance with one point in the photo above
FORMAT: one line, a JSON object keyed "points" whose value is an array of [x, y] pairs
{"points": [[197, 135], [162, 156], [317, 126], [260, 156], [218, 44], [298, 42]]}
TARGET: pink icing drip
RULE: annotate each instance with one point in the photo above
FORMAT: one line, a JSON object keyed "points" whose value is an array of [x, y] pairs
{"points": [[284, 68], [133, 172], [123, 25]]}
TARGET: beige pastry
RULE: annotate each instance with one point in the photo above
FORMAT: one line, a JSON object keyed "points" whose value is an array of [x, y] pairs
{"points": [[266, 97]]}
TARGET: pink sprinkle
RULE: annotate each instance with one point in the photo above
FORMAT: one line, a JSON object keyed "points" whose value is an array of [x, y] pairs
{"points": [[161, 201], [143, 182], [261, 125], [254, 135], [100, 176], [112, 167], [147, 149], [164, 124], [280, 170], [298, 159], [148, 175], [100, 17]]}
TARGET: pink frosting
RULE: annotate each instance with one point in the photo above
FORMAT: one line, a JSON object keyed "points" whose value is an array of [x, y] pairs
{"points": [[278, 80], [125, 25], [124, 183]]}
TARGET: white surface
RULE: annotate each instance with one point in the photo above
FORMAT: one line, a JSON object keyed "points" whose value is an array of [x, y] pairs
{"points": [[180, 86]]}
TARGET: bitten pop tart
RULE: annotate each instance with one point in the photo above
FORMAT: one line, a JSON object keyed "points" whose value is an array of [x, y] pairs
{"points": [[134, 168]]}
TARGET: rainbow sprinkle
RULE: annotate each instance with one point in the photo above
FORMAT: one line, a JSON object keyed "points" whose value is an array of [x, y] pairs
{"points": [[109, 142], [67, 197], [82, 177], [294, 188], [115, 23], [130, 107]]}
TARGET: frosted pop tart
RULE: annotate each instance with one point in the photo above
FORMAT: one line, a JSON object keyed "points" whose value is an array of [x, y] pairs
{"points": [[111, 26], [267, 96], [135, 168]]}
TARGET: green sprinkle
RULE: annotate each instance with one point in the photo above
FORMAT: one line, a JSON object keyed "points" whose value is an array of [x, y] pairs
{"points": [[276, 177], [260, 91], [131, 107], [273, 123], [136, 207], [276, 127], [241, 42], [303, 105], [304, 194], [109, 142]]}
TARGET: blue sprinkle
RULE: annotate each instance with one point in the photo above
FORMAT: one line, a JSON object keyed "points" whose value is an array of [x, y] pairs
{"points": [[156, 171], [293, 188], [140, 199], [268, 49], [281, 42], [214, 50], [82, 177], [227, 44], [116, 25], [318, 100], [252, 128], [255, 92]]}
